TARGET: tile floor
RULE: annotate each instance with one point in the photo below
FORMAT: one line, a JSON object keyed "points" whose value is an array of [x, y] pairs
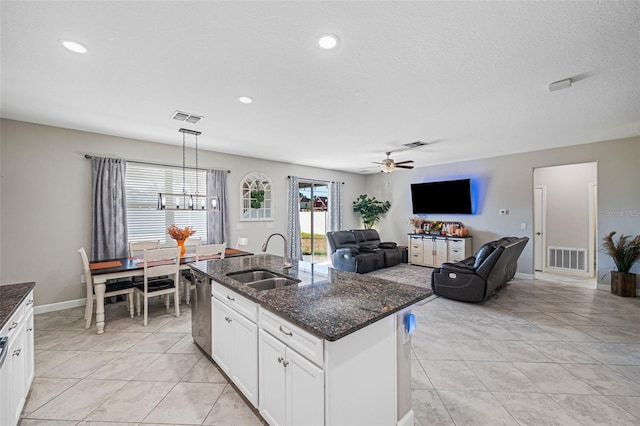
{"points": [[542, 352]]}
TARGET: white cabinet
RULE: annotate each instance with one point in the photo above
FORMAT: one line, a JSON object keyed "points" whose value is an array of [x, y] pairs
{"points": [[16, 371], [291, 387], [235, 340], [432, 250]]}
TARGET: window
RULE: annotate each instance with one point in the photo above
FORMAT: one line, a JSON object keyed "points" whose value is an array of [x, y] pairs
{"points": [[144, 220], [256, 197]]}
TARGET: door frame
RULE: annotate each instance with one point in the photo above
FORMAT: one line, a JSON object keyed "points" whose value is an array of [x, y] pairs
{"points": [[593, 231], [543, 226]]}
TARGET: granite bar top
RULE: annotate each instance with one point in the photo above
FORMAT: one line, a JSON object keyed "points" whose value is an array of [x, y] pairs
{"points": [[10, 298], [328, 303]]}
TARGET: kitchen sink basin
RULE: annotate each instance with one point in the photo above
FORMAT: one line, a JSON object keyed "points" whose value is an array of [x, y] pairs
{"points": [[271, 283], [261, 279], [251, 276]]}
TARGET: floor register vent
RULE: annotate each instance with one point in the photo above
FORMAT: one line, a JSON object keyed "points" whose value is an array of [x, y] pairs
{"points": [[574, 259]]}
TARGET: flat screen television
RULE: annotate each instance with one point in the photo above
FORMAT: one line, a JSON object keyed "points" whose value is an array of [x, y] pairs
{"points": [[446, 197]]}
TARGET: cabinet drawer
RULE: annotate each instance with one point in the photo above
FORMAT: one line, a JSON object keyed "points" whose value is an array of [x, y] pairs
{"points": [[306, 344], [11, 327], [238, 303], [416, 247], [456, 255], [457, 244]]}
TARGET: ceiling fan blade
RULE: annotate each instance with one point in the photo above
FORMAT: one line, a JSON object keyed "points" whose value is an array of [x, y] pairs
{"points": [[404, 167], [404, 162], [375, 162]]}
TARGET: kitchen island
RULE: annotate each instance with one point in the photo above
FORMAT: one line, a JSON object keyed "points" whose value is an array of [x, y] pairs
{"points": [[333, 349]]}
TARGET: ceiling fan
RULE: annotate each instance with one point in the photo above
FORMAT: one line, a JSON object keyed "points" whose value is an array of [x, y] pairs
{"points": [[388, 165]]}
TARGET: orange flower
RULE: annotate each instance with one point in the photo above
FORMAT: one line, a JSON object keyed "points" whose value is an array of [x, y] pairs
{"points": [[179, 233]]}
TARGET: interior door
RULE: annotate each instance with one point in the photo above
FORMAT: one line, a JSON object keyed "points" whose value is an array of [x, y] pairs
{"points": [[538, 228]]}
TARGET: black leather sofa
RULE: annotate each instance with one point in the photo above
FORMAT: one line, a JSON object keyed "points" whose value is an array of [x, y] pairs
{"points": [[360, 250], [477, 277]]}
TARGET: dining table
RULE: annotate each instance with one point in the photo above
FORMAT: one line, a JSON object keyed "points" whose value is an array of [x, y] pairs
{"points": [[111, 269]]}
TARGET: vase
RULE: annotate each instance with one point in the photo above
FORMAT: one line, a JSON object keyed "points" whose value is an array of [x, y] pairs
{"points": [[182, 247], [623, 284]]}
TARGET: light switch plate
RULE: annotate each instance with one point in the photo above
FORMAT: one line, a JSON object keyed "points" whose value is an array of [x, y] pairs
{"points": [[523, 225], [504, 212]]}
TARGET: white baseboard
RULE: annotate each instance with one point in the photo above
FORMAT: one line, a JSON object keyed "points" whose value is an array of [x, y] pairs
{"points": [[522, 276], [52, 307], [407, 420]]}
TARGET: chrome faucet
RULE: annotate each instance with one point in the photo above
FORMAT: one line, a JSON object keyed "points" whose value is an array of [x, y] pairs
{"points": [[286, 264]]}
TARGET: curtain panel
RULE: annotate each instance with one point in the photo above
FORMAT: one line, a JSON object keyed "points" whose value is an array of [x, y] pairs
{"points": [[109, 237], [218, 221], [335, 206], [293, 219]]}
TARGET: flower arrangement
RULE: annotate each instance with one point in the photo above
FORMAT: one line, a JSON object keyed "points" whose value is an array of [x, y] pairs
{"points": [[416, 222], [436, 226], [180, 233]]}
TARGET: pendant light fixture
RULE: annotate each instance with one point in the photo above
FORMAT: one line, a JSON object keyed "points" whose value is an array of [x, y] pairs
{"points": [[186, 201]]}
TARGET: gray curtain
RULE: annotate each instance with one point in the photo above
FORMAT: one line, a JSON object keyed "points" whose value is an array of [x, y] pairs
{"points": [[335, 206], [293, 220], [218, 221], [109, 237]]}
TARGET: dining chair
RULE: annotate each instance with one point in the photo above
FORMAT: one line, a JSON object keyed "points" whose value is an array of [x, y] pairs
{"points": [[243, 243], [136, 248], [190, 244], [159, 263], [114, 288], [203, 252]]}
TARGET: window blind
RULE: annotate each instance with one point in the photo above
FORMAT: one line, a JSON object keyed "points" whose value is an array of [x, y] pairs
{"points": [[144, 221]]}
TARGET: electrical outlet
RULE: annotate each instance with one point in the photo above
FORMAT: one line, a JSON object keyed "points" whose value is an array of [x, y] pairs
{"points": [[523, 225], [83, 279]]}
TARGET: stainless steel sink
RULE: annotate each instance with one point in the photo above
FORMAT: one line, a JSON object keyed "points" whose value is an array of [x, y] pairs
{"points": [[251, 276], [261, 279], [271, 283]]}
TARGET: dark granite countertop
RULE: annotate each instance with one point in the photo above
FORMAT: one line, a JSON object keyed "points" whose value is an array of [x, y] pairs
{"points": [[10, 298], [328, 303]]}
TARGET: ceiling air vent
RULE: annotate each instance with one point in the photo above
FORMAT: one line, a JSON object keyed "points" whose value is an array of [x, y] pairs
{"points": [[185, 116], [414, 144]]}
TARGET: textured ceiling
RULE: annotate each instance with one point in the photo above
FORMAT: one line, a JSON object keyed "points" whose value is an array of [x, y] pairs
{"points": [[471, 78]]}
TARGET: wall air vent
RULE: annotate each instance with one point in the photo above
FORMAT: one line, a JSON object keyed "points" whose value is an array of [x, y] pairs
{"points": [[574, 259], [415, 144], [185, 116]]}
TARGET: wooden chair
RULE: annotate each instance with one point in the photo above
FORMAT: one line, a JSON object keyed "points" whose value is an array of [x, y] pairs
{"points": [[243, 243], [136, 248], [159, 263], [190, 245], [114, 288], [202, 253]]}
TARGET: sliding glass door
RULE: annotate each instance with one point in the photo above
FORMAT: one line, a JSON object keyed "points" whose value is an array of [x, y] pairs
{"points": [[314, 205]]}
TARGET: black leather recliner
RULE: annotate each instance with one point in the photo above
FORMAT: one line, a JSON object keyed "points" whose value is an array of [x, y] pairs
{"points": [[476, 278], [360, 250]]}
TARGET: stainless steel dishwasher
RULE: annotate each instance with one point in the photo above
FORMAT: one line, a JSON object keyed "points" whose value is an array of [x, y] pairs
{"points": [[201, 312]]}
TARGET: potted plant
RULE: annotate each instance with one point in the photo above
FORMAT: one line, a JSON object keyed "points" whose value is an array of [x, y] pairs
{"points": [[370, 209], [625, 252]]}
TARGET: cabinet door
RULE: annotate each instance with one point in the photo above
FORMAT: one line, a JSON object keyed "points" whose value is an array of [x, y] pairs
{"points": [[440, 251], [16, 361], [272, 381], [221, 335], [305, 391], [29, 353], [244, 368]]}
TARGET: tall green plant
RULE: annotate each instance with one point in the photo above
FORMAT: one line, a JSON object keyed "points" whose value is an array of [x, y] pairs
{"points": [[625, 252], [370, 209]]}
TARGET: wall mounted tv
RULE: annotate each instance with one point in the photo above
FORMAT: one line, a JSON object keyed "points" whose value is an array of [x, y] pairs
{"points": [[446, 197]]}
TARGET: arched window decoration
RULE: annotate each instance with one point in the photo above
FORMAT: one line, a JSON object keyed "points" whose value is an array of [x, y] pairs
{"points": [[257, 197]]}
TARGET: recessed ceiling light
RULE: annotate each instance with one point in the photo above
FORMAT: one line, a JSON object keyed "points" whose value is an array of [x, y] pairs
{"points": [[74, 46], [328, 41], [245, 99]]}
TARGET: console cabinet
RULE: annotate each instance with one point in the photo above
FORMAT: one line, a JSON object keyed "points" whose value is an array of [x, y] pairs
{"points": [[434, 250]]}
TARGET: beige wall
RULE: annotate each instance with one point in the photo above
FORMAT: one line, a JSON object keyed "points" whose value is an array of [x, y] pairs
{"points": [[46, 199], [507, 182]]}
